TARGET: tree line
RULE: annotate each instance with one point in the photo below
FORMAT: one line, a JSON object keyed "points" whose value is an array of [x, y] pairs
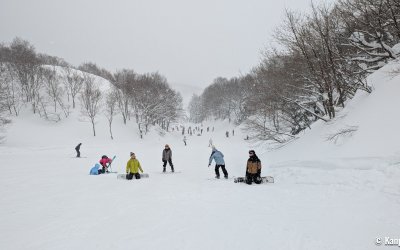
{"points": [[51, 87], [323, 59]]}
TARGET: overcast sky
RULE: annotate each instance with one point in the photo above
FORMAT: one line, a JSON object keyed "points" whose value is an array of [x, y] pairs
{"points": [[189, 42]]}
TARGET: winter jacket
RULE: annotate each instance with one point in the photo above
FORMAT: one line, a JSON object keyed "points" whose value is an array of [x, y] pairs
{"points": [[218, 158], [167, 155], [133, 166], [253, 165], [104, 161], [78, 147], [95, 170]]}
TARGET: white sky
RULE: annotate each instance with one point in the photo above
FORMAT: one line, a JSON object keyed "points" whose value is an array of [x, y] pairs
{"points": [[189, 42]]}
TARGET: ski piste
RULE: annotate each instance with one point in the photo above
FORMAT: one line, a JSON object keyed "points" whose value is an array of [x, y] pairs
{"points": [[123, 176], [264, 179]]}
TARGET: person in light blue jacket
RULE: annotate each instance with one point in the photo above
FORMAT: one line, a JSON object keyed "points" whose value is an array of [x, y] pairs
{"points": [[95, 170], [219, 162]]}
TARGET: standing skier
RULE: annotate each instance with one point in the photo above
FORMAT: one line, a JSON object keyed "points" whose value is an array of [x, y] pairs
{"points": [[219, 162], [167, 156], [133, 167], [77, 148], [253, 169], [184, 140], [105, 163]]}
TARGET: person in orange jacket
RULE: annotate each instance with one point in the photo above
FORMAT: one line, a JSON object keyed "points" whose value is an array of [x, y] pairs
{"points": [[253, 169]]}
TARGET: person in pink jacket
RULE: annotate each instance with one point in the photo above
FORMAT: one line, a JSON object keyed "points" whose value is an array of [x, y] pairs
{"points": [[105, 162]]}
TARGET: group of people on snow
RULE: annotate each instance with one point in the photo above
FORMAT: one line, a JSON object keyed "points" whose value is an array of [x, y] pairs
{"points": [[253, 167]]}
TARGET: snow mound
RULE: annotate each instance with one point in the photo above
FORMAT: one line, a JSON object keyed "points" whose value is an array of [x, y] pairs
{"points": [[366, 127]]}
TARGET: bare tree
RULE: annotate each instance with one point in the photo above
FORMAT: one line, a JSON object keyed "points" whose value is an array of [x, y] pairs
{"points": [[90, 100], [371, 28], [345, 132], [196, 113], [25, 64], [53, 86], [73, 81], [110, 108], [125, 81], [10, 91]]}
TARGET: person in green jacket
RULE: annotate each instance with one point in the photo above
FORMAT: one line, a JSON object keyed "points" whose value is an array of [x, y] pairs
{"points": [[133, 167]]}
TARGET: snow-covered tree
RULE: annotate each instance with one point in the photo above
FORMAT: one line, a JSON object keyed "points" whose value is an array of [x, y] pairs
{"points": [[90, 100], [73, 82]]}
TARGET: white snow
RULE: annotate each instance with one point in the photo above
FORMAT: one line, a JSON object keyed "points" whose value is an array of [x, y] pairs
{"points": [[326, 195]]}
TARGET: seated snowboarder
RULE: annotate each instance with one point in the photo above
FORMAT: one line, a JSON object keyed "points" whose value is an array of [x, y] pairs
{"points": [[167, 157], [95, 170], [133, 167], [253, 169], [105, 163], [219, 162]]}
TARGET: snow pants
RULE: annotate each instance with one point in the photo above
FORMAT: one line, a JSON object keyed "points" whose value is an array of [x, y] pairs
{"points": [[170, 164], [130, 176], [253, 178], [223, 170]]}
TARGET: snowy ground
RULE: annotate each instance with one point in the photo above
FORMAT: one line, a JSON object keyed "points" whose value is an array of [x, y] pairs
{"points": [[326, 196]]}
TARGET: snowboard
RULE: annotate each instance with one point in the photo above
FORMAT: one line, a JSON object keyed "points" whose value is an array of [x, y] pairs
{"points": [[220, 178], [170, 172], [264, 179], [123, 176]]}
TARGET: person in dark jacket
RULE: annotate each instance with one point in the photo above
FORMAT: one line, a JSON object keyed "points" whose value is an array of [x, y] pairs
{"points": [[167, 157], [253, 169], [77, 148]]}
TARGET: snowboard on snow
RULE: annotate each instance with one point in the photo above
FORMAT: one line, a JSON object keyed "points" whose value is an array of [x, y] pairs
{"points": [[220, 178], [123, 176], [170, 172], [264, 179]]}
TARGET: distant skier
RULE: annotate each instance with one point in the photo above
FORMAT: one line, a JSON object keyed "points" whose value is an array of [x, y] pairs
{"points": [[227, 134], [233, 132], [219, 162], [167, 157], [77, 148], [253, 169], [184, 140], [210, 143], [105, 163], [133, 167]]}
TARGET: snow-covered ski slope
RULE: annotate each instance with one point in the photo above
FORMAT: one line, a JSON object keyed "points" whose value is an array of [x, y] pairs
{"points": [[325, 195]]}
